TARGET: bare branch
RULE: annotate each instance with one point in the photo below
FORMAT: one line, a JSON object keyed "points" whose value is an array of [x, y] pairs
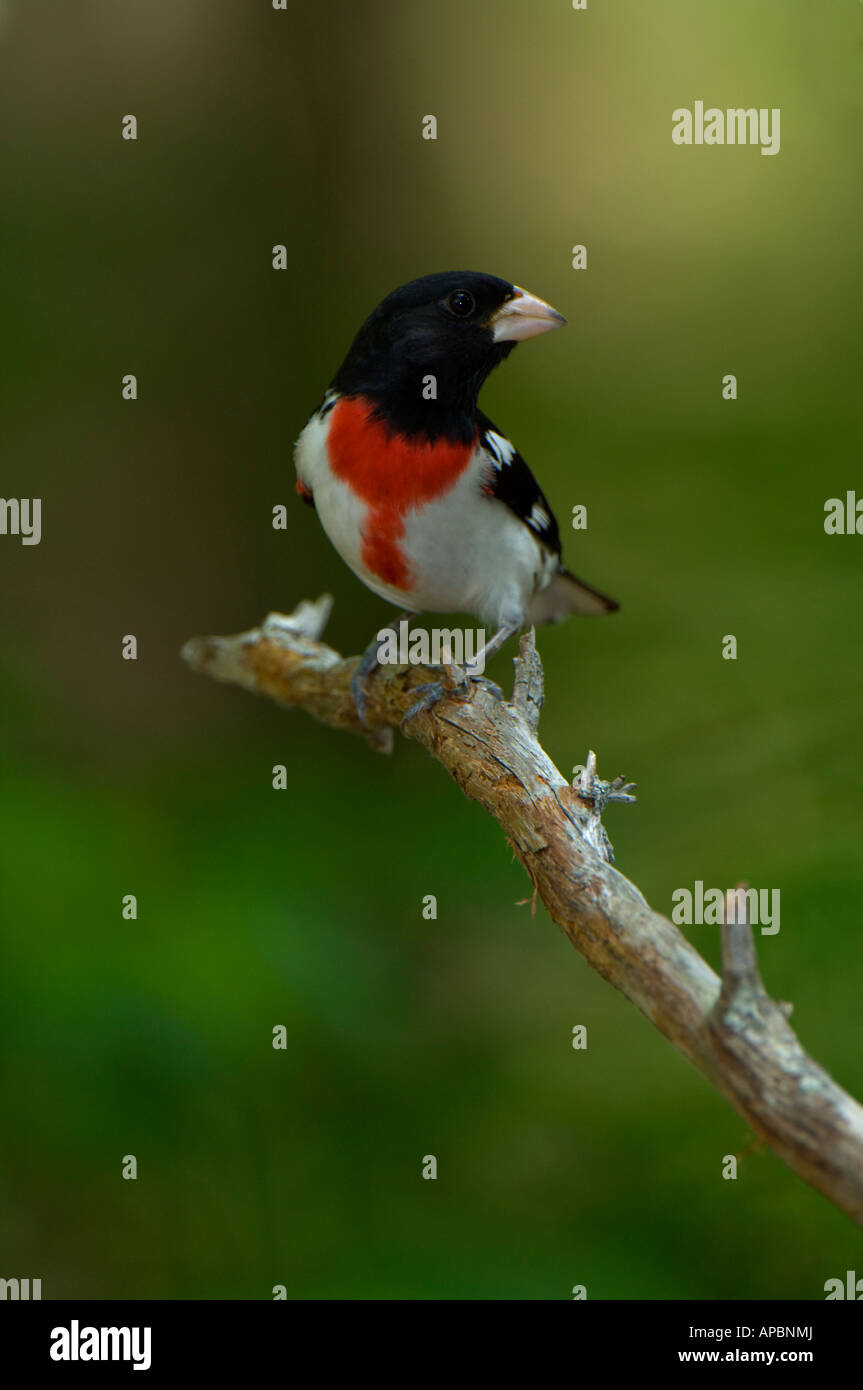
{"points": [[730, 1029], [528, 691]]}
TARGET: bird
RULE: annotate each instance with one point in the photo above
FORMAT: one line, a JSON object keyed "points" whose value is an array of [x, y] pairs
{"points": [[421, 494]]}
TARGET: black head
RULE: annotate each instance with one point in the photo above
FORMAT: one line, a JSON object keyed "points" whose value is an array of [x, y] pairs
{"points": [[425, 351]]}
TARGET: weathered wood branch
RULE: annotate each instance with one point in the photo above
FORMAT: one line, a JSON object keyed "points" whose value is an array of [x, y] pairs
{"points": [[729, 1028]]}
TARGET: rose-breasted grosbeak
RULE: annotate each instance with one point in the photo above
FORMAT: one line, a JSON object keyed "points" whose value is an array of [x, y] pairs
{"points": [[427, 502]]}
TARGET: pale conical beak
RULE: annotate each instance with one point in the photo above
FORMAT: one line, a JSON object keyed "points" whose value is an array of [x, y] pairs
{"points": [[523, 316]]}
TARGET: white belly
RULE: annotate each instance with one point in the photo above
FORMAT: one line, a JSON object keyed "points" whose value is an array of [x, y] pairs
{"points": [[466, 552]]}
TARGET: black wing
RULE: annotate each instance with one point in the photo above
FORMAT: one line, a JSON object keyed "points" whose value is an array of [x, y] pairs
{"points": [[509, 479]]}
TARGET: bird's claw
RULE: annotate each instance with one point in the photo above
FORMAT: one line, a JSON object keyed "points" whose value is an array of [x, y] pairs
{"points": [[488, 685], [358, 695], [429, 696], [457, 684]]}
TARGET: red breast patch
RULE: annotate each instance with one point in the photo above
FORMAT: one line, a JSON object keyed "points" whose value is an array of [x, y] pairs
{"points": [[393, 475]]}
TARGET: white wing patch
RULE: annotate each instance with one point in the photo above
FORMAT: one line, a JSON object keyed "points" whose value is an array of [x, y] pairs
{"points": [[500, 449]]}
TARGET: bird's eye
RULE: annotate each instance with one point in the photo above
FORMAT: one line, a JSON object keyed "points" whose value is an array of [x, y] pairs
{"points": [[461, 303]]}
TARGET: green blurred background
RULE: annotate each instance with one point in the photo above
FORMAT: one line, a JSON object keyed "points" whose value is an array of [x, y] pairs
{"points": [[303, 908]]}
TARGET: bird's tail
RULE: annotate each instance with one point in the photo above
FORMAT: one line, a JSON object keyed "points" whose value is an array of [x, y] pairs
{"points": [[564, 595]]}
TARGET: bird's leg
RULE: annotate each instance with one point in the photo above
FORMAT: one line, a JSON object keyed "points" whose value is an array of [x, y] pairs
{"points": [[430, 694], [366, 667], [493, 645]]}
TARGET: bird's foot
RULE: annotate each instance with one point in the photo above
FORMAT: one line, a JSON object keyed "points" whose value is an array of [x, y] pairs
{"points": [[365, 668], [490, 686], [455, 682], [359, 682], [368, 664]]}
